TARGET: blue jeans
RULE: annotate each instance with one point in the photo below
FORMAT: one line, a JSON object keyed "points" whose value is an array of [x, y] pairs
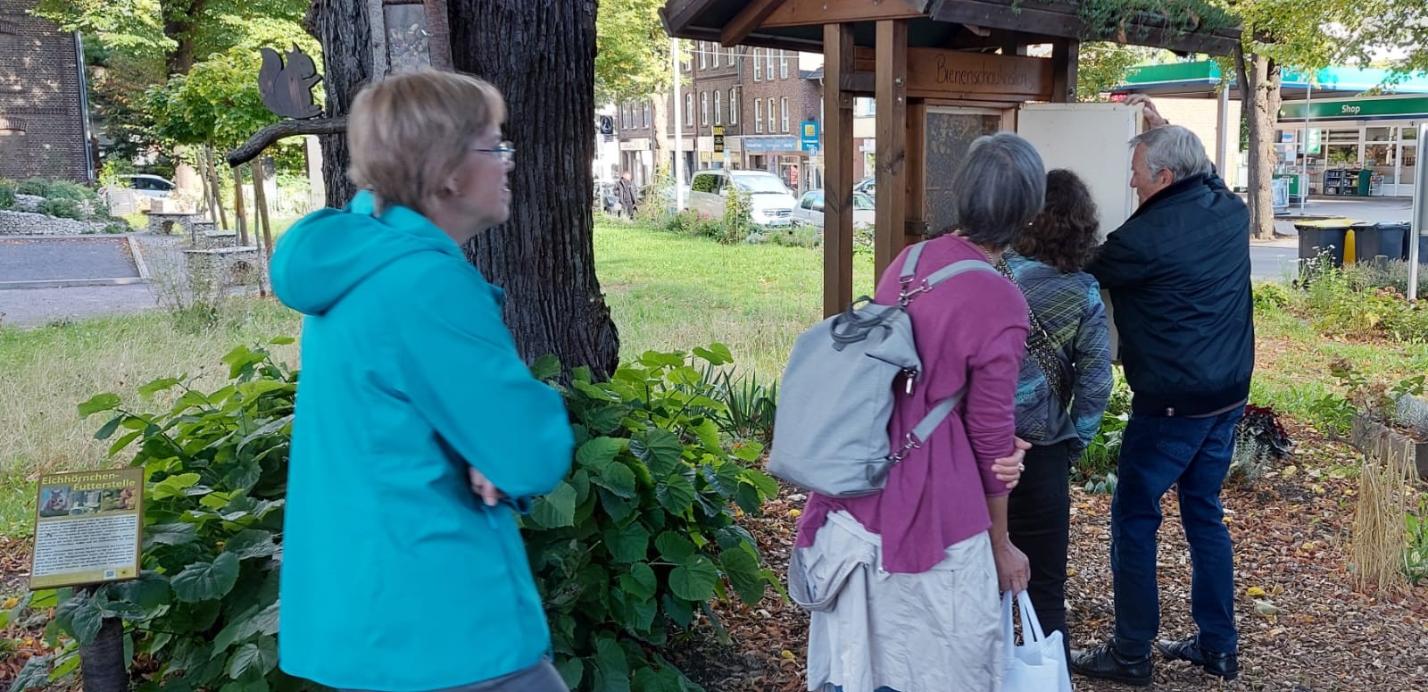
{"points": [[1192, 454]]}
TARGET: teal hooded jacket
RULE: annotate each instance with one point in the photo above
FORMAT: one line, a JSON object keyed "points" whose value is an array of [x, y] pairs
{"points": [[395, 576]]}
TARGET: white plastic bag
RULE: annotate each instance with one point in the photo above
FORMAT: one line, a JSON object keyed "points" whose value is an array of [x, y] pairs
{"points": [[1039, 664]]}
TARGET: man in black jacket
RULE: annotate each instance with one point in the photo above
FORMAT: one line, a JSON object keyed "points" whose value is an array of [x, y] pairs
{"points": [[1179, 276]]}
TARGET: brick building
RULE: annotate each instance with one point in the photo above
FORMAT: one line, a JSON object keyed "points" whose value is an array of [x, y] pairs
{"points": [[759, 97], [43, 100]]}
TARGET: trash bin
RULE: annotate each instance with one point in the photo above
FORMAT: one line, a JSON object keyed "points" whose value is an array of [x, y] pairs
{"points": [[1379, 239], [1327, 234]]}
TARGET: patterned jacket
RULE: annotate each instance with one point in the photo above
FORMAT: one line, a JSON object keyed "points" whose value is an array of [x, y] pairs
{"points": [[1069, 307]]}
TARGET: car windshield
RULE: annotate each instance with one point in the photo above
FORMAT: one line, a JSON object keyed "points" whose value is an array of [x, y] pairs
{"points": [[760, 184], [862, 202]]}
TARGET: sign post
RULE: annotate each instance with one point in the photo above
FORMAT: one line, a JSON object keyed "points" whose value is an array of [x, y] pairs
{"points": [[1420, 215], [88, 528]]}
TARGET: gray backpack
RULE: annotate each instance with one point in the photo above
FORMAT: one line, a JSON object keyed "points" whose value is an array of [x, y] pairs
{"points": [[838, 391]]}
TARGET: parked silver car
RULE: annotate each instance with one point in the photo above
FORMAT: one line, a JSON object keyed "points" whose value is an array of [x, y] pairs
{"points": [[810, 210], [772, 203]]}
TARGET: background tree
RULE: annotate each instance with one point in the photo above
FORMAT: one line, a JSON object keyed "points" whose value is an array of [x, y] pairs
{"points": [[541, 55], [1101, 66], [632, 51]]}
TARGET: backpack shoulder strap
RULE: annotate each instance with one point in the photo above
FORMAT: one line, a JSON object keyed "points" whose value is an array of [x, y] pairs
{"points": [[960, 267]]}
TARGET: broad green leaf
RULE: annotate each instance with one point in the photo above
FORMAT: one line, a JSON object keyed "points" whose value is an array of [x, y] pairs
{"points": [[149, 592], [748, 450], [238, 629], [610, 657], [674, 547], [84, 617], [681, 612], [66, 665], [604, 418], [204, 581], [768, 487], [708, 433], [159, 385], [546, 367], [694, 579], [266, 621], [123, 442], [618, 479], [655, 359], [259, 657], [627, 544], [572, 671], [108, 428], [170, 534], [717, 354], [676, 494], [35, 674], [597, 454], [251, 543], [173, 486], [282, 341], [660, 449], [555, 509], [640, 581], [618, 508], [100, 402], [595, 392], [742, 566]]}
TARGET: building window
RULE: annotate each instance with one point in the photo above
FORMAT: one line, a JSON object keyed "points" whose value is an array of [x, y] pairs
{"points": [[703, 108], [687, 63], [716, 51], [769, 65], [783, 64], [758, 66], [773, 122], [783, 112], [758, 115], [689, 110], [718, 108], [734, 106], [702, 47], [649, 107]]}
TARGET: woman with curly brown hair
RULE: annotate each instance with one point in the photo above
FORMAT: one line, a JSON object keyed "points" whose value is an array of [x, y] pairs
{"points": [[1063, 385]]}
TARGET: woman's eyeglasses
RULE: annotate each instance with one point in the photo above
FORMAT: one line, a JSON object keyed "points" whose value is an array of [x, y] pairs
{"points": [[504, 151]]}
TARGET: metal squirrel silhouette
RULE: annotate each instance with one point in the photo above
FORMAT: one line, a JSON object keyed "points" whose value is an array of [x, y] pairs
{"points": [[287, 89]]}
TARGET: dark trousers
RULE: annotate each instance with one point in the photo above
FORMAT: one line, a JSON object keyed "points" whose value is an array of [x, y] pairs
{"points": [[1192, 454], [1039, 521]]}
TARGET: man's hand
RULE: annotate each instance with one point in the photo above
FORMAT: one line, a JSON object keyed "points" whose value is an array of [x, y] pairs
{"points": [[1008, 469], [484, 488], [1153, 118]]}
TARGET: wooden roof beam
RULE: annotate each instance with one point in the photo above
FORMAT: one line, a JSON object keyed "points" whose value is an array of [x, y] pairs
{"points": [[820, 12], [748, 19]]}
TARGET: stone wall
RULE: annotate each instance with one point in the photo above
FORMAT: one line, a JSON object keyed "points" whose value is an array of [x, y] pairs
{"points": [[27, 223]]}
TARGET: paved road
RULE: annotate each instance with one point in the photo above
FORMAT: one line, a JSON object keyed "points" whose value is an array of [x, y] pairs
{"points": [[1273, 263], [49, 259], [35, 307]]}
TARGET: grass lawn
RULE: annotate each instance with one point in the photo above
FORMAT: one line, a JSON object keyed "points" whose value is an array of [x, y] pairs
{"points": [[667, 292]]}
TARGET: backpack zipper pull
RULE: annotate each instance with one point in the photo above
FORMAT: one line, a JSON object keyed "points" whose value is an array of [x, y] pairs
{"points": [[909, 377]]}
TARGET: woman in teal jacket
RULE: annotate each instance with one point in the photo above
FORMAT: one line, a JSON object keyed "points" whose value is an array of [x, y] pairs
{"points": [[419, 433]]}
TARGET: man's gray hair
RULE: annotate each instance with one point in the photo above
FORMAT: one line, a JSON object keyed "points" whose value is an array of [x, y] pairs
{"points": [[1175, 149], [1000, 188]]}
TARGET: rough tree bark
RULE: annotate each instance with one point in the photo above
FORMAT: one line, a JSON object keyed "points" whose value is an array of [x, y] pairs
{"points": [[1262, 79], [102, 660], [541, 55]]}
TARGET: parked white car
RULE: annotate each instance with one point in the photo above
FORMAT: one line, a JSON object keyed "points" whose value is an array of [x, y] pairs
{"points": [[771, 202], [810, 210], [151, 186]]}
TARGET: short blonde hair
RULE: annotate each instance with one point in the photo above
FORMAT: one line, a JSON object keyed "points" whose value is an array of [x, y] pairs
{"points": [[408, 132]]}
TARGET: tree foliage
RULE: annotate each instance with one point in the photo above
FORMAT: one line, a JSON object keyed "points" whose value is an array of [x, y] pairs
{"points": [[1102, 66], [632, 51]]}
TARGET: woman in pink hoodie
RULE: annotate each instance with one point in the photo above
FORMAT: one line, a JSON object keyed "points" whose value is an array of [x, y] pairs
{"points": [[907, 579]]}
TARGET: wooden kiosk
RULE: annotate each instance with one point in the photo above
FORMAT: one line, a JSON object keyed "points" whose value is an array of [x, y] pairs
{"points": [[944, 72]]}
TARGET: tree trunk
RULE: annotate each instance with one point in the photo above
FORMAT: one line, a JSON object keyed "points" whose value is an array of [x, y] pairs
{"points": [[1263, 78], [541, 55], [102, 660], [239, 212], [346, 36], [212, 172]]}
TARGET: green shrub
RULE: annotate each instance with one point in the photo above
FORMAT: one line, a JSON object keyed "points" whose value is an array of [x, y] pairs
{"points": [[1095, 471], [1415, 555], [737, 222], [1270, 296], [7, 194], [33, 186], [634, 545], [795, 236], [628, 551], [63, 208]]}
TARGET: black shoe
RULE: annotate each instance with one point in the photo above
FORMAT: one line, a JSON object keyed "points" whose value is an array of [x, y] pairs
{"points": [[1226, 666], [1106, 663]]}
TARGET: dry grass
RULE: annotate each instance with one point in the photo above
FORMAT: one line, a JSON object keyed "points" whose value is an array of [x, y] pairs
{"points": [[48, 371]]}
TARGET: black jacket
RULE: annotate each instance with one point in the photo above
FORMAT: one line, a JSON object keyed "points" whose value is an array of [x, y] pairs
{"points": [[1178, 271]]}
